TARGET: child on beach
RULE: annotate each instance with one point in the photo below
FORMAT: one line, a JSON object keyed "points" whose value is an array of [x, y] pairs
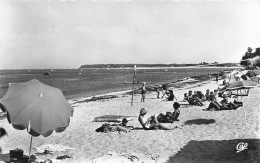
{"points": [[158, 89], [171, 96], [151, 123], [143, 91]]}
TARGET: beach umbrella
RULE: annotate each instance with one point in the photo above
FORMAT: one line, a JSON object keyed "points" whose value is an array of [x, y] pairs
{"points": [[239, 85], [244, 84], [37, 107]]}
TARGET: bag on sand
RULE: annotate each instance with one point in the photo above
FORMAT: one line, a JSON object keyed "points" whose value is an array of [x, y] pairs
{"points": [[16, 154]]}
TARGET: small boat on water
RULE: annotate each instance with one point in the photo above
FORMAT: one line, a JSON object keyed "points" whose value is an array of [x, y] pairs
{"points": [[46, 73]]}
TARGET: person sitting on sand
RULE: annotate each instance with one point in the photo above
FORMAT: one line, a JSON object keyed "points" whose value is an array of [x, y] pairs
{"points": [[151, 123], [190, 95], [216, 94], [171, 96], [164, 89], [223, 105], [214, 105], [158, 89], [207, 94], [170, 117], [176, 112], [196, 100], [201, 96], [228, 105], [124, 124], [185, 97], [193, 99], [212, 96]]}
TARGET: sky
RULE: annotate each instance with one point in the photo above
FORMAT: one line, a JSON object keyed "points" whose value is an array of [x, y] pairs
{"points": [[71, 33]]}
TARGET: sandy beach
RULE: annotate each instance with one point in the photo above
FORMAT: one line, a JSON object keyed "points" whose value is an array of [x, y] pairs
{"points": [[206, 136]]}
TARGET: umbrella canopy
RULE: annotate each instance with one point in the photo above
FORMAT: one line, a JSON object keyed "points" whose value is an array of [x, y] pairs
{"points": [[245, 84], [37, 107]]}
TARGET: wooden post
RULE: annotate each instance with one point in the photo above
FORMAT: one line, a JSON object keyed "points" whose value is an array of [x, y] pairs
{"points": [[133, 86]]}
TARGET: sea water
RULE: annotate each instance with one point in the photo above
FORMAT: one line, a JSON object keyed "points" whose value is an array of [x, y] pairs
{"points": [[76, 83]]}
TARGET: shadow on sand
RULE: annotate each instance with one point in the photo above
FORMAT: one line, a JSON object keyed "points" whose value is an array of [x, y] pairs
{"points": [[199, 121], [218, 151]]}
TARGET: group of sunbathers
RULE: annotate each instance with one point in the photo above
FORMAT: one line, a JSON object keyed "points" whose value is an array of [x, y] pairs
{"points": [[152, 123], [156, 122], [195, 98], [224, 104]]}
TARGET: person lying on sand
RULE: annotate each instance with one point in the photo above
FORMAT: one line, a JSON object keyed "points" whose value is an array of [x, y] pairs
{"points": [[228, 105], [170, 117], [151, 123], [115, 127]]}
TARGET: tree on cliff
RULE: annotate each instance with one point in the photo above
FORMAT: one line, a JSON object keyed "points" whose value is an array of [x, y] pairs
{"points": [[250, 58]]}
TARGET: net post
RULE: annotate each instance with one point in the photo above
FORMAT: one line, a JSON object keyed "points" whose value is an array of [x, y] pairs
{"points": [[133, 86]]}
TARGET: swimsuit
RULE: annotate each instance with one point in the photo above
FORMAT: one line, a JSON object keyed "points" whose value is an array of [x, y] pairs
{"points": [[143, 90]]}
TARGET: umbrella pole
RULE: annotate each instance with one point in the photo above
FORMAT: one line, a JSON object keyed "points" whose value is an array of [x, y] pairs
{"points": [[30, 149], [237, 94], [244, 108]]}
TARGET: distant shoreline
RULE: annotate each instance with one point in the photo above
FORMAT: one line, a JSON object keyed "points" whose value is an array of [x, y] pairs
{"points": [[168, 67], [47, 69]]}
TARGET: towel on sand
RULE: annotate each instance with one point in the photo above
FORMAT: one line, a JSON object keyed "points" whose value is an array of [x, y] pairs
{"points": [[51, 147], [112, 118]]}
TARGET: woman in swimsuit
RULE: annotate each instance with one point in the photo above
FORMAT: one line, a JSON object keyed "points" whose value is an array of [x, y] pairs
{"points": [[151, 123], [143, 91]]}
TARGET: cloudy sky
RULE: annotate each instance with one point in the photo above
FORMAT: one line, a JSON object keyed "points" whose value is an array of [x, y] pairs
{"points": [[63, 34]]}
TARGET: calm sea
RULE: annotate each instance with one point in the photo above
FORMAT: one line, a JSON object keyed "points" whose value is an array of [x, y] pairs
{"points": [[76, 83]]}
